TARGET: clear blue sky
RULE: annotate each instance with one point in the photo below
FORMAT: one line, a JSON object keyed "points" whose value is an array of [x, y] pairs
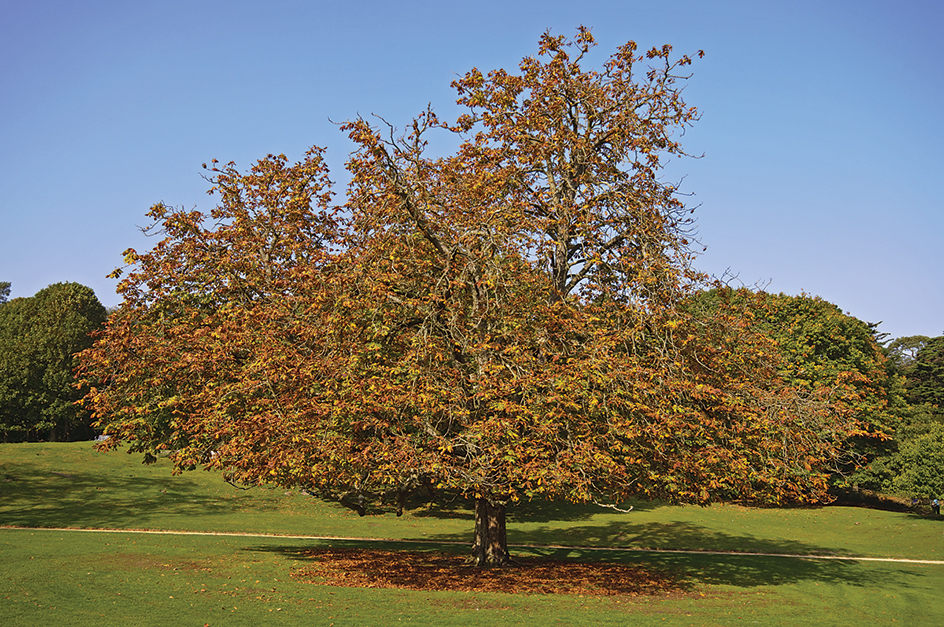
{"points": [[822, 127]]}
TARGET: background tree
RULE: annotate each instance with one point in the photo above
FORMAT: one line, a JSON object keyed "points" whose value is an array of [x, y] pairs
{"points": [[4, 291], [916, 468], [502, 323], [833, 355], [925, 375], [912, 464], [39, 337], [903, 351]]}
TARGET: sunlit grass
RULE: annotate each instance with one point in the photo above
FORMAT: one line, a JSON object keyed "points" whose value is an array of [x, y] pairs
{"points": [[79, 578], [72, 485]]}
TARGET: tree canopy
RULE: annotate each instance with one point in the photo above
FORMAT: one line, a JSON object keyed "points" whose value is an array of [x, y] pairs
{"points": [[925, 375], [39, 337], [501, 323]]}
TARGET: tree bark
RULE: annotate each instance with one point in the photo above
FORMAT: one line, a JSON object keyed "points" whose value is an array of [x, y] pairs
{"points": [[490, 548]]}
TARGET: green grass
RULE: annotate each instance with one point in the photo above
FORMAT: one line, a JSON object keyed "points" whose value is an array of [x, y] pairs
{"points": [[77, 578], [70, 578]]}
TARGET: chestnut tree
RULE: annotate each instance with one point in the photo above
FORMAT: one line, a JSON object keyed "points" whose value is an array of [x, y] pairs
{"points": [[503, 322]]}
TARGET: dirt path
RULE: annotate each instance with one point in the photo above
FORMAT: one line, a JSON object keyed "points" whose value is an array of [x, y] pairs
{"points": [[899, 560]]}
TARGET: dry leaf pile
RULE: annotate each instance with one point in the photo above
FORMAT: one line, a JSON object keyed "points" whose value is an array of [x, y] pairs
{"points": [[365, 568]]}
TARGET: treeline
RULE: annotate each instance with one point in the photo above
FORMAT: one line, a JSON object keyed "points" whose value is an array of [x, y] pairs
{"points": [[39, 338]]}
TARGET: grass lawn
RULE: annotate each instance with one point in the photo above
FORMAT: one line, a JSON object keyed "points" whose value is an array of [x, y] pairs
{"points": [[78, 578]]}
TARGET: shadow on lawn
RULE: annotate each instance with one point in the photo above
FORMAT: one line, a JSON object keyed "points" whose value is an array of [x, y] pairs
{"points": [[34, 496], [623, 533], [663, 536], [747, 571], [685, 571]]}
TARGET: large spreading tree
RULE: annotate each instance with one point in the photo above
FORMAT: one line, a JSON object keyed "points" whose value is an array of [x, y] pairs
{"points": [[502, 323]]}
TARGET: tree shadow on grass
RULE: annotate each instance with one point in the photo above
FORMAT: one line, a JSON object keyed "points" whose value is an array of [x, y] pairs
{"points": [[430, 567], [748, 571], [608, 572], [33, 496], [622, 533], [774, 561], [660, 536]]}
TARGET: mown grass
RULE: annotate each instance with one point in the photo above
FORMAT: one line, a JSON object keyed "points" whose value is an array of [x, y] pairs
{"points": [[78, 578]]}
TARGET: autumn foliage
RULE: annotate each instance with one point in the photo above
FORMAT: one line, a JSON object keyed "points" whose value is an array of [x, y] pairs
{"points": [[508, 322]]}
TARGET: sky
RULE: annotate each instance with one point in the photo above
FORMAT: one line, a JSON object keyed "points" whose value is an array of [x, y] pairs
{"points": [[820, 146]]}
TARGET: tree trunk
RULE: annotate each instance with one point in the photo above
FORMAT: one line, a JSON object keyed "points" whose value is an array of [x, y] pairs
{"points": [[490, 548]]}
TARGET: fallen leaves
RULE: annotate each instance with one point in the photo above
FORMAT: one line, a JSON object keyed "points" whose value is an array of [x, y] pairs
{"points": [[414, 570]]}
